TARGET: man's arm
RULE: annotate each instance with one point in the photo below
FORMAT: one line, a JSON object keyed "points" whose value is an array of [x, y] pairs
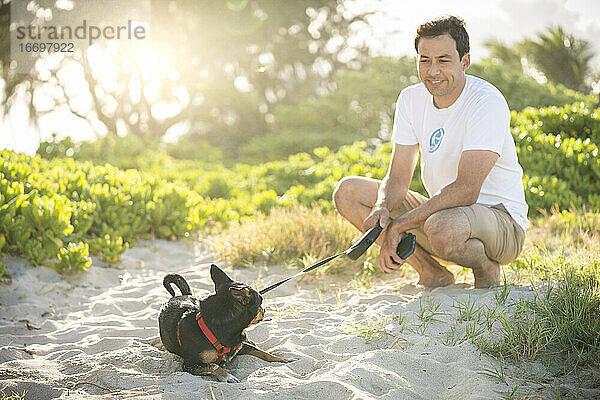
{"points": [[473, 168], [394, 186]]}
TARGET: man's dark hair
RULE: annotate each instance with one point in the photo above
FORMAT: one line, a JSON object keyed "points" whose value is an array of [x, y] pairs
{"points": [[449, 24]]}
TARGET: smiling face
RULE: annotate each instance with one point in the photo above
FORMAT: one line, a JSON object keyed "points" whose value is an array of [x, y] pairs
{"points": [[441, 69]]}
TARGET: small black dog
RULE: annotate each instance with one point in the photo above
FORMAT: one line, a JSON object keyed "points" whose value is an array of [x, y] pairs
{"points": [[208, 331]]}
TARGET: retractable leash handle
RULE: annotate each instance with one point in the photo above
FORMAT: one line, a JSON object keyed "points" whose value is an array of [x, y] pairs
{"points": [[406, 246], [364, 242]]}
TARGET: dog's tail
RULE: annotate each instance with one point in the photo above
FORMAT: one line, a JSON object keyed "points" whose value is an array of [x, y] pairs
{"points": [[178, 280]]}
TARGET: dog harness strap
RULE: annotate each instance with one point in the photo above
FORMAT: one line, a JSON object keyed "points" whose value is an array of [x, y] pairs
{"points": [[222, 350], [178, 335]]}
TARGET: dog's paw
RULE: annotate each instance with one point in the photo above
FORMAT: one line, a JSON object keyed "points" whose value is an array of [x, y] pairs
{"points": [[278, 357], [229, 379]]}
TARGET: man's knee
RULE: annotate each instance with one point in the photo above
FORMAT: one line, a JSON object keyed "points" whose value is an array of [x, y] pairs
{"points": [[344, 190], [447, 230]]}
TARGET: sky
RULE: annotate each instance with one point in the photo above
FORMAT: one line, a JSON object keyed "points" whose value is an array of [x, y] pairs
{"points": [[391, 33], [510, 21]]}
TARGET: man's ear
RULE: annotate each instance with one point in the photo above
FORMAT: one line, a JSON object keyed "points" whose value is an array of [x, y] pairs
{"points": [[219, 277], [466, 61], [241, 295]]}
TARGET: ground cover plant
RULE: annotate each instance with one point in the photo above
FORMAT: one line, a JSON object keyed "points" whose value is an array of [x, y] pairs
{"points": [[48, 203]]}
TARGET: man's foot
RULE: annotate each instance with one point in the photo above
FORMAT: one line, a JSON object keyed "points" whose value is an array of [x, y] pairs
{"points": [[488, 275], [431, 272], [442, 277]]}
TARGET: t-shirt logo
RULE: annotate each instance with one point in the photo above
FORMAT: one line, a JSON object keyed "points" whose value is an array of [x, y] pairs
{"points": [[436, 139]]}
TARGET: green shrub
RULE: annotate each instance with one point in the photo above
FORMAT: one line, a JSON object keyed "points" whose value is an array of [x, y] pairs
{"points": [[278, 145], [45, 205], [4, 274], [575, 121], [73, 257], [559, 171], [216, 184], [109, 248], [191, 147], [523, 91]]}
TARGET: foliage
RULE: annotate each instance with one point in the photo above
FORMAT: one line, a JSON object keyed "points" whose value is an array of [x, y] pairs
{"points": [[523, 91], [109, 248], [560, 326], [509, 56], [192, 147], [276, 53], [361, 107], [73, 257], [557, 148], [561, 57], [274, 146], [47, 204], [575, 120], [309, 235]]}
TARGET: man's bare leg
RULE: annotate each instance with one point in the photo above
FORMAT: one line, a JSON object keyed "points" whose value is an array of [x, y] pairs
{"points": [[354, 199], [449, 234]]}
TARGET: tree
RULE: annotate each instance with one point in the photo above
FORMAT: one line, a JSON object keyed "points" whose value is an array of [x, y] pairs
{"points": [[221, 66], [11, 80], [508, 56], [561, 57]]}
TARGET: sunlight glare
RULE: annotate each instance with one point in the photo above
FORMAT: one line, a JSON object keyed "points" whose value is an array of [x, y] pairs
{"points": [[104, 69], [148, 63]]}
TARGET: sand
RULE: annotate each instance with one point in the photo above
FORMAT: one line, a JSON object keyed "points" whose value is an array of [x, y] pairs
{"points": [[94, 335]]}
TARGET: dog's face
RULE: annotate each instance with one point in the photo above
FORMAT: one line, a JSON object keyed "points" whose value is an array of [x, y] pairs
{"points": [[239, 295]]}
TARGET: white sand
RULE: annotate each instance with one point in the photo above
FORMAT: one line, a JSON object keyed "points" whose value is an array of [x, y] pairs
{"points": [[60, 337]]}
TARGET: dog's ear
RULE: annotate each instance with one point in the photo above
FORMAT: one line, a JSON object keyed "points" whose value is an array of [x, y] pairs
{"points": [[241, 295], [219, 277]]}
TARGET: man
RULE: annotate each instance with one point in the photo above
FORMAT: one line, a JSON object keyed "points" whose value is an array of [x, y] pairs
{"points": [[476, 215]]}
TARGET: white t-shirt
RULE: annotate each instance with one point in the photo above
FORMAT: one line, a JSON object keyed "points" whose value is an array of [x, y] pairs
{"points": [[478, 120]]}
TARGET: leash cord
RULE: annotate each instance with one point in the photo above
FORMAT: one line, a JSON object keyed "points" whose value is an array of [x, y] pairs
{"points": [[316, 265]]}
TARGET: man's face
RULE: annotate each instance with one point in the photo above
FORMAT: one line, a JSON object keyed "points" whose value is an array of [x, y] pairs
{"points": [[441, 69]]}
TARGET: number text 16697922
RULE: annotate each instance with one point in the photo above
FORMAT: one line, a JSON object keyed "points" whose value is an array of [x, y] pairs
{"points": [[50, 47]]}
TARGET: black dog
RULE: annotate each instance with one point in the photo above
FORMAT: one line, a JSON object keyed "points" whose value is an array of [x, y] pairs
{"points": [[209, 331]]}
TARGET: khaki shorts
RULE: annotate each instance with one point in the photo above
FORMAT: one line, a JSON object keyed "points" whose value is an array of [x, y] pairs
{"points": [[502, 237]]}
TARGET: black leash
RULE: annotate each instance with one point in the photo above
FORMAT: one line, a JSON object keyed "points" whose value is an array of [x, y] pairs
{"points": [[325, 261], [405, 248]]}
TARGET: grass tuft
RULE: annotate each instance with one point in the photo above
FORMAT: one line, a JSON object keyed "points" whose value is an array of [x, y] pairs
{"points": [[13, 396], [560, 326]]}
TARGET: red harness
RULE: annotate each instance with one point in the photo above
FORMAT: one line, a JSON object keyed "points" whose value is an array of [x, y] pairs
{"points": [[221, 350]]}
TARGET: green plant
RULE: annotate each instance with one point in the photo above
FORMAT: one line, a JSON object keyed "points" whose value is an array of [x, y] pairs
{"points": [[560, 326], [466, 309], [108, 248], [371, 330], [13, 395], [429, 311], [502, 294], [73, 257]]}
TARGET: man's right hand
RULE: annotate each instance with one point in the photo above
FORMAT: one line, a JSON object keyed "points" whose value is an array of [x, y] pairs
{"points": [[378, 214], [388, 261]]}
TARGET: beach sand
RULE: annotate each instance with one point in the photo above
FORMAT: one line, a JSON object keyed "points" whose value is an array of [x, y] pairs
{"points": [[95, 334]]}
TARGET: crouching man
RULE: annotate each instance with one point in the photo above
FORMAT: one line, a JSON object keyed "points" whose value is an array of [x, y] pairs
{"points": [[476, 214]]}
